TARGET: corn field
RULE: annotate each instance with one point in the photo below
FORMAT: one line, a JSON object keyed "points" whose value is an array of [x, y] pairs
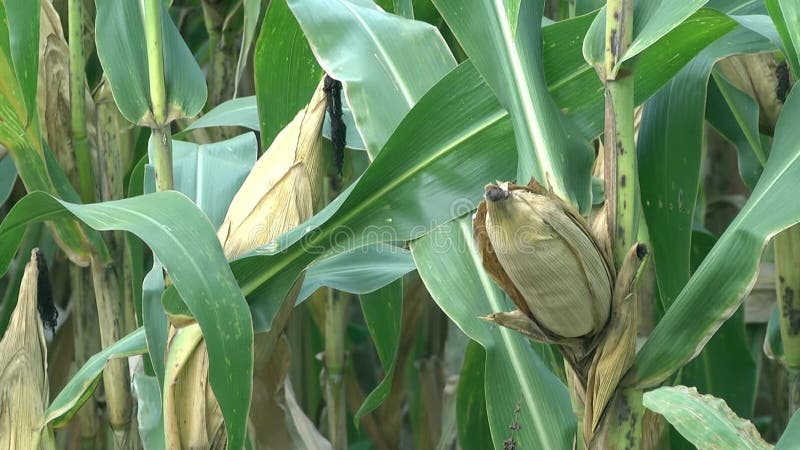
{"points": [[406, 224]]}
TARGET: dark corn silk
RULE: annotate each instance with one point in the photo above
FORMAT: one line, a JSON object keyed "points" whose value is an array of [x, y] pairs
{"points": [[333, 92], [44, 304]]}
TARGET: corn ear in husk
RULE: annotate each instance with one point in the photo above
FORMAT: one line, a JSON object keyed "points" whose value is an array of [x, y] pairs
{"points": [[283, 190], [192, 416], [541, 252], [24, 391]]}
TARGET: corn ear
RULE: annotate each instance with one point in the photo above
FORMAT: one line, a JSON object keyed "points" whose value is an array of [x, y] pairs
{"points": [[541, 252], [24, 391], [617, 347], [192, 416], [284, 188]]}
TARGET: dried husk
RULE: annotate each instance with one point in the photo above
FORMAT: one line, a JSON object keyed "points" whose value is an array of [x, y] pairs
{"points": [[24, 391], [541, 252], [616, 349], [283, 190]]}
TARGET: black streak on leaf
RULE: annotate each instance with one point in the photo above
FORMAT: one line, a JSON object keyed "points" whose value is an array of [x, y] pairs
{"points": [[44, 294], [333, 91]]}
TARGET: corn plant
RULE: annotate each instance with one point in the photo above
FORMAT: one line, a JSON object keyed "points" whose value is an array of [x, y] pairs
{"points": [[329, 224]]}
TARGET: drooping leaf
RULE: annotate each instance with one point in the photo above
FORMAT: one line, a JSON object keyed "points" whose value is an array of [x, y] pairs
{"points": [[121, 48], [383, 311], [182, 238], [720, 284], [20, 133], [515, 375], [503, 40], [81, 386], [705, 421], [383, 76], [358, 271], [670, 137]]}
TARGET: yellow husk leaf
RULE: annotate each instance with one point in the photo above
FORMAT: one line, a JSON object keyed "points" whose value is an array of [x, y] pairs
{"points": [[284, 188], [617, 347], [547, 252], [24, 392], [192, 417]]}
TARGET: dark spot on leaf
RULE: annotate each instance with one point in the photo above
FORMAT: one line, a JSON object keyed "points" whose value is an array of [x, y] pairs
{"points": [[622, 181], [791, 312]]}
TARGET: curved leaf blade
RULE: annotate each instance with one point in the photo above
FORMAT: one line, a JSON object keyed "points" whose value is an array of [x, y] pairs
{"points": [[184, 241], [703, 420], [121, 48], [383, 312], [652, 20], [82, 384], [504, 41], [238, 112], [728, 273], [358, 271], [669, 162]]}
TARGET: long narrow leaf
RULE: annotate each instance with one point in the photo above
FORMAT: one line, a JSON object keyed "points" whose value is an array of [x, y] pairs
{"points": [[82, 384], [504, 41], [670, 137], [726, 276], [183, 239]]}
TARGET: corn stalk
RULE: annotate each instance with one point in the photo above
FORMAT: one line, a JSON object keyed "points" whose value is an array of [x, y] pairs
{"points": [[162, 135], [621, 423]]}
